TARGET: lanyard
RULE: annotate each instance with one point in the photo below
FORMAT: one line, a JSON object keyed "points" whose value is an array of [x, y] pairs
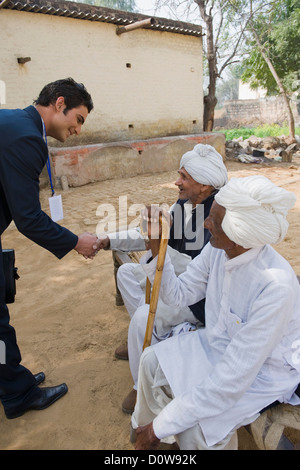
{"points": [[48, 159]]}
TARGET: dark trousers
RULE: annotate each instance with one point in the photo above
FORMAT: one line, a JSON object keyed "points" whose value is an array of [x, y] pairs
{"points": [[17, 384]]}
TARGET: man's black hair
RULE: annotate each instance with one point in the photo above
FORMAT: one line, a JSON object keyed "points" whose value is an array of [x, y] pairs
{"points": [[75, 94]]}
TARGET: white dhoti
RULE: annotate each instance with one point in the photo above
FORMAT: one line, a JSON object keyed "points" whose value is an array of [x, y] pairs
{"points": [[131, 283], [168, 322], [154, 393]]}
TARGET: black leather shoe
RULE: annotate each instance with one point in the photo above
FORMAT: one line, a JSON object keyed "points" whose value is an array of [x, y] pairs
{"points": [[48, 397], [39, 378]]}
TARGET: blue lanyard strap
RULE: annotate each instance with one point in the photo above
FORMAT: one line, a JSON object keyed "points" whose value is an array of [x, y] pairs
{"points": [[48, 159], [49, 173]]}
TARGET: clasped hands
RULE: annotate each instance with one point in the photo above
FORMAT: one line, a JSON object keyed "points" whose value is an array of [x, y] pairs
{"points": [[88, 244]]}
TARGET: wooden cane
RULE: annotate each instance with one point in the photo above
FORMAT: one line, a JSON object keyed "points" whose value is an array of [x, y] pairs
{"points": [[148, 291], [156, 282]]}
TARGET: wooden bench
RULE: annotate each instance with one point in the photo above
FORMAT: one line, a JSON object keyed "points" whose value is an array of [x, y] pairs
{"points": [[127, 257]]}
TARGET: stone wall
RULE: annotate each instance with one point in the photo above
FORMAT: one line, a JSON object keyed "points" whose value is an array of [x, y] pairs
{"points": [[270, 110]]}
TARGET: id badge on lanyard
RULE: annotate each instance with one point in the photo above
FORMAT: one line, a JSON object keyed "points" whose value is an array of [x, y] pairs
{"points": [[55, 201]]}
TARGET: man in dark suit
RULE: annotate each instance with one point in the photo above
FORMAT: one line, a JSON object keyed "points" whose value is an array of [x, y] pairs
{"points": [[60, 110]]}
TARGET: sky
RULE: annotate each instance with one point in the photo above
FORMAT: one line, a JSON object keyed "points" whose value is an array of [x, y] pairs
{"points": [[147, 7]]}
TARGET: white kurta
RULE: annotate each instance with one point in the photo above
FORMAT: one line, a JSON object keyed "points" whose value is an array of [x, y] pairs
{"points": [[248, 354], [127, 240]]}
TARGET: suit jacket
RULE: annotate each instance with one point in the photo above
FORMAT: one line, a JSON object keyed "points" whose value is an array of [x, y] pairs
{"points": [[23, 155]]}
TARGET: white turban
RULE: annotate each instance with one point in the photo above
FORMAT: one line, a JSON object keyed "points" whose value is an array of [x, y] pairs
{"points": [[205, 165], [256, 211]]}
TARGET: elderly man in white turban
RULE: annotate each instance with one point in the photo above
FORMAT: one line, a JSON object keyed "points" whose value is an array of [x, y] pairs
{"points": [[202, 385], [201, 174]]}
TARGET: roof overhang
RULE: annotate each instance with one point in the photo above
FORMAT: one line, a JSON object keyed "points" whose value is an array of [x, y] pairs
{"points": [[87, 12]]}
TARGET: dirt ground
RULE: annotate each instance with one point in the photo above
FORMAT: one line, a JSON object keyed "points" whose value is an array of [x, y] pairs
{"points": [[68, 326]]}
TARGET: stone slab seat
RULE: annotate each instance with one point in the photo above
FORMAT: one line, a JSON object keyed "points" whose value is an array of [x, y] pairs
{"points": [[268, 430]]}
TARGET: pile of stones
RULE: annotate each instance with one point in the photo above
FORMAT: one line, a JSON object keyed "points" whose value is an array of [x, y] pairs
{"points": [[263, 149]]}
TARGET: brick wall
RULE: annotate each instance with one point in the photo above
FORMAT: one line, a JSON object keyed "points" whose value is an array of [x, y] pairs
{"points": [[143, 83], [270, 110]]}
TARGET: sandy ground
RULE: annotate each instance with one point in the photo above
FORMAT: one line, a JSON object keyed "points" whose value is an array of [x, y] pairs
{"points": [[68, 326]]}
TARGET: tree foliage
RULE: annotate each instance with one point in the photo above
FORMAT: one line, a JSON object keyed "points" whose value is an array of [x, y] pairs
{"points": [[280, 36]]}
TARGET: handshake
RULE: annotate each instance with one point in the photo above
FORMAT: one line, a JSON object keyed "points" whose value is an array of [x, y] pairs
{"points": [[88, 245]]}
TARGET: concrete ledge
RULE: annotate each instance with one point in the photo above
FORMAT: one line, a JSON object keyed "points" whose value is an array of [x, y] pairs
{"points": [[99, 162]]}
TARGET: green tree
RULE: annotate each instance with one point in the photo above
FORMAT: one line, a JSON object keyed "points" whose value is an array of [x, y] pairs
{"points": [[273, 44], [281, 42]]}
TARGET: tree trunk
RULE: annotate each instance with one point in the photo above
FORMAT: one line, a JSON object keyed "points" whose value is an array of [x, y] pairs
{"points": [[210, 100]]}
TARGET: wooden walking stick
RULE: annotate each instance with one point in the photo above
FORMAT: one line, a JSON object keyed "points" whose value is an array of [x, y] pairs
{"points": [[157, 281], [148, 291]]}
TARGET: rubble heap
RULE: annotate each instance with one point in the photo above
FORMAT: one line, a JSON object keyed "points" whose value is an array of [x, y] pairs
{"points": [[263, 149]]}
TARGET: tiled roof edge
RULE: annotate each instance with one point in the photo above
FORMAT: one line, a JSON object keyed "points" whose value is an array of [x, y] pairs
{"points": [[84, 11]]}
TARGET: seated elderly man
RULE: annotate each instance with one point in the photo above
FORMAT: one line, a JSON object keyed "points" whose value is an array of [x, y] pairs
{"points": [[201, 173], [202, 385]]}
